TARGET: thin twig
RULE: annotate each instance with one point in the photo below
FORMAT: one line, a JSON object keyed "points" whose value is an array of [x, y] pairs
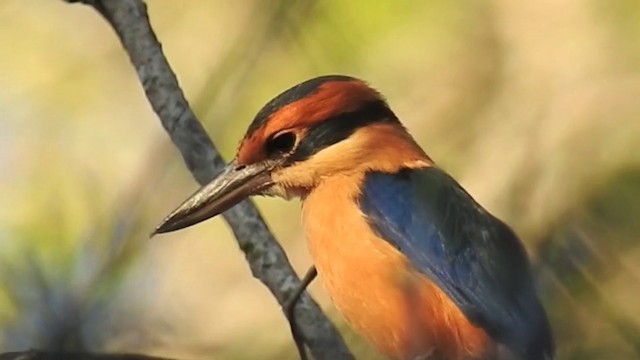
{"points": [[266, 258], [290, 306]]}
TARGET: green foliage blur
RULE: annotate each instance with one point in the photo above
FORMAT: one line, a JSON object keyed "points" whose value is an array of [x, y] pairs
{"points": [[533, 105]]}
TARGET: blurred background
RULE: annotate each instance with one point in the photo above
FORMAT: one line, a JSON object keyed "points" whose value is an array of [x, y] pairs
{"points": [[533, 105]]}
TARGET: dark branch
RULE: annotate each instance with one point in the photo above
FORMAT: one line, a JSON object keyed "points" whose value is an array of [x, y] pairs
{"points": [[266, 257]]}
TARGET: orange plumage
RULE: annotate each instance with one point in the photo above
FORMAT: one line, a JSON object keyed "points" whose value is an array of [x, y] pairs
{"points": [[375, 288], [414, 264]]}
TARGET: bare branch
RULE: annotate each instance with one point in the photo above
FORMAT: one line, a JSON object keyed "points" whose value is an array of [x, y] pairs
{"points": [[266, 257]]}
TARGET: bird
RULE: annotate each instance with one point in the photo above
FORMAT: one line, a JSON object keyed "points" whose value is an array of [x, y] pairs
{"points": [[413, 263]]}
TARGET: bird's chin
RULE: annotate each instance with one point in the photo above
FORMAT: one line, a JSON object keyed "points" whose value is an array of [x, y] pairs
{"points": [[284, 192]]}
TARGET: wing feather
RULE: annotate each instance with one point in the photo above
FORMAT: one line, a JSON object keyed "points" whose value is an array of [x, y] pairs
{"points": [[474, 257]]}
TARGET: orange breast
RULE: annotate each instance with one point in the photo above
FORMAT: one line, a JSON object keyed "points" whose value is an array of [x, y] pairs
{"points": [[399, 310]]}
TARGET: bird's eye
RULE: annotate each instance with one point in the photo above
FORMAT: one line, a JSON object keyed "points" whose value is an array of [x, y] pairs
{"points": [[281, 143]]}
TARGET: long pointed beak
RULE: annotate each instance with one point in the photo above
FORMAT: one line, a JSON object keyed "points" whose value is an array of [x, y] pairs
{"points": [[234, 184]]}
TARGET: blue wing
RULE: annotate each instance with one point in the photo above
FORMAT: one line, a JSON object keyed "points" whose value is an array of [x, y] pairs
{"points": [[475, 258]]}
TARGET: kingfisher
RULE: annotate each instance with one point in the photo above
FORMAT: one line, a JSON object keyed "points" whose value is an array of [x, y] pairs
{"points": [[413, 263]]}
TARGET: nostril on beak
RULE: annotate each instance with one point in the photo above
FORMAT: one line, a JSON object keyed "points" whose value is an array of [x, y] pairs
{"points": [[240, 167]]}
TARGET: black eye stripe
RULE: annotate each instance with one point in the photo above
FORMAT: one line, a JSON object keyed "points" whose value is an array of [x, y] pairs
{"points": [[340, 127]]}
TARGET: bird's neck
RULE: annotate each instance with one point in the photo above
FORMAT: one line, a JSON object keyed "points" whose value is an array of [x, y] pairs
{"points": [[331, 207], [385, 147]]}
